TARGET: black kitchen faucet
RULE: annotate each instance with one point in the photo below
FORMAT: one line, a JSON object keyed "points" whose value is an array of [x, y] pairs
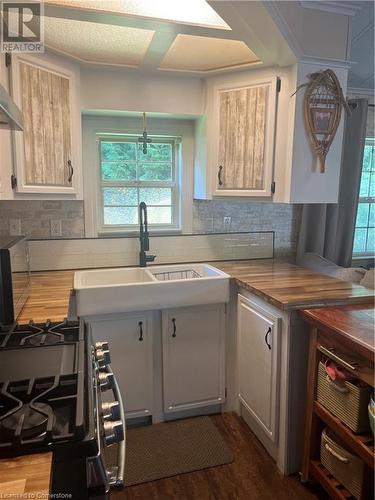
{"points": [[144, 237]]}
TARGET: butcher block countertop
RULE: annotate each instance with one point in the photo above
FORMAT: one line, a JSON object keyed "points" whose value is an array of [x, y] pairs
{"points": [[354, 323], [284, 285], [27, 476]]}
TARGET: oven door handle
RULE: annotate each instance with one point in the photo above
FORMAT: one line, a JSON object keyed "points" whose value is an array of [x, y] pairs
{"points": [[118, 480]]}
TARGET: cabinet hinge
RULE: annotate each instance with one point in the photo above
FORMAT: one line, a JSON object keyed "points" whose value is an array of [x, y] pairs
{"points": [[278, 85], [8, 59], [13, 181], [273, 187]]}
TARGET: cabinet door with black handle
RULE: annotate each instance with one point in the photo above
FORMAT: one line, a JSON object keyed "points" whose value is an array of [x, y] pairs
{"points": [[130, 342], [258, 333], [193, 357]]}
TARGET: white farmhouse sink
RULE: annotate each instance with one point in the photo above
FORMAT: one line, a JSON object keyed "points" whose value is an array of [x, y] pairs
{"points": [[107, 291]]}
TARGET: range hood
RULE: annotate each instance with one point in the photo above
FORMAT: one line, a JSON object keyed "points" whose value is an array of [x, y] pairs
{"points": [[10, 114]]}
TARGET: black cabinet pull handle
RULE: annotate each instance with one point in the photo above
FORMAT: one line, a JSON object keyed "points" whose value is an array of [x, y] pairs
{"points": [[140, 324], [174, 327], [266, 338], [71, 171], [219, 175]]}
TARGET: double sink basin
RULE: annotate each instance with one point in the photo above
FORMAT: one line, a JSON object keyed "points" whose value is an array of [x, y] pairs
{"points": [[106, 291]]}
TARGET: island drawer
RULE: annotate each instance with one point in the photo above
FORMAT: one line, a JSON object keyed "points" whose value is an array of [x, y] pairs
{"points": [[346, 356]]}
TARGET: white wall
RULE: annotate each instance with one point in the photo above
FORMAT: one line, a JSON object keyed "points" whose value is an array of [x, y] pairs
{"points": [[121, 89], [308, 184]]}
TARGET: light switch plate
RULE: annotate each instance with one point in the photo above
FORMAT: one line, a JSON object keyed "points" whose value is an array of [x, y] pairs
{"points": [[15, 227], [227, 222]]}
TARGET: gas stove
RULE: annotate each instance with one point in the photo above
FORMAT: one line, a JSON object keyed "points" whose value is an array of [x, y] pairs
{"points": [[51, 379]]}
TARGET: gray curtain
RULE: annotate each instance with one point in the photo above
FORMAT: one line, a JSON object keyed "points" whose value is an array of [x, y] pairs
{"points": [[328, 229]]}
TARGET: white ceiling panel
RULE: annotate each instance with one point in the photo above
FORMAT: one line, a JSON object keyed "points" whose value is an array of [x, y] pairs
{"points": [[198, 53], [193, 12], [99, 43]]}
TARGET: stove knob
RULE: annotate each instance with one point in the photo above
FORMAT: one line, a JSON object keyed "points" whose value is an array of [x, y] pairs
{"points": [[105, 381], [103, 357], [111, 411], [113, 432], [101, 345]]}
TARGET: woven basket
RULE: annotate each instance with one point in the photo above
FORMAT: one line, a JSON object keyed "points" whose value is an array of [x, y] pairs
{"points": [[345, 467], [348, 403]]}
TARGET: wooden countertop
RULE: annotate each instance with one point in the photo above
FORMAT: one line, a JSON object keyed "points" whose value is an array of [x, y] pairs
{"points": [[355, 323], [287, 286], [284, 285], [27, 476]]}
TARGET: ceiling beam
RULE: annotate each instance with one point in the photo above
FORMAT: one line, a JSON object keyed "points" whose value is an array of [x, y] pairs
{"points": [[254, 25]]}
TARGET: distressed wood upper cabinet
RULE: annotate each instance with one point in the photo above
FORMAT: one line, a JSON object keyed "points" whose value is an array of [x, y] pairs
{"points": [[46, 151], [243, 147]]}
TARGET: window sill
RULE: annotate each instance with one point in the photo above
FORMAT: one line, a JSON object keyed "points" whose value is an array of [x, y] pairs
{"points": [[131, 233]]}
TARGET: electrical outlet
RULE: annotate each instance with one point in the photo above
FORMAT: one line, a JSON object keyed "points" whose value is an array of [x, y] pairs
{"points": [[56, 229], [227, 222], [15, 227]]}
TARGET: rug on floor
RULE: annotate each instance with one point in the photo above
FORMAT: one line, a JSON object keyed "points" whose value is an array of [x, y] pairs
{"points": [[170, 448]]}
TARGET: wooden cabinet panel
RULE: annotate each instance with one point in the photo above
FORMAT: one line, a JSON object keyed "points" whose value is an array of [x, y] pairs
{"points": [[130, 342], [47, 151], [258, 364], [47, 126], [193, 357], [242, 138]]}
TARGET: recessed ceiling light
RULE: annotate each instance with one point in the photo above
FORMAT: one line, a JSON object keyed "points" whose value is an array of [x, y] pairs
{"points": [[192, 12]]}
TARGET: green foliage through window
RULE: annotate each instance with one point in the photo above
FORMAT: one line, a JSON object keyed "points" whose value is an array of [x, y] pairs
{"points": [[128, 176], [364, 235]]}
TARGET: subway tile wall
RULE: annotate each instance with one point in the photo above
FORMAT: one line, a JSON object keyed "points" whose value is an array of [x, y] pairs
{"points": [[37, 219]]}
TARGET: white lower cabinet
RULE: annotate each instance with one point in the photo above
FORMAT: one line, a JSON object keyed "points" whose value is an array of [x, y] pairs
{"points": [[258, 364], [131, 346], [181, 360], [193, 357]]}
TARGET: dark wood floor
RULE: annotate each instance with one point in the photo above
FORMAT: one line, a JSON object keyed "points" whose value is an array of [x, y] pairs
{"points": [[252, 476]]}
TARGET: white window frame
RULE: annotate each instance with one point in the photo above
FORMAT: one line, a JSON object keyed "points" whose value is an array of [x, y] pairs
{"points": [[173, 184], [94, 126], [371, 201]]}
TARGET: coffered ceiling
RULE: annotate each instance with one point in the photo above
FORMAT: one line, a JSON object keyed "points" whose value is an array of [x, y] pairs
{"points": [[166, 35]]}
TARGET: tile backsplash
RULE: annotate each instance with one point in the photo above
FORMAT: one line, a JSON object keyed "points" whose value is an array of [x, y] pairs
{"points": [[38, 219], [283, 219]]}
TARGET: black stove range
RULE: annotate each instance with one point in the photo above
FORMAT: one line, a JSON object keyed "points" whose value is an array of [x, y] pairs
{"points": [[51, 378]]}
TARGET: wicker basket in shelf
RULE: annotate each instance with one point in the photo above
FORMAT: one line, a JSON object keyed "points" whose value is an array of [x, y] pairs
{"points": [[348, 403], [347, 468]]}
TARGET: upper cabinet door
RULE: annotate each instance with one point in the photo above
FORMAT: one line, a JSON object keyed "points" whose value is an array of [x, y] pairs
{"points": [[46, 159], [243, 158]]}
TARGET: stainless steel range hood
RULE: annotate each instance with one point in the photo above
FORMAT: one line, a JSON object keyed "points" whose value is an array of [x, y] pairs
{"points": [[10, 114]]}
